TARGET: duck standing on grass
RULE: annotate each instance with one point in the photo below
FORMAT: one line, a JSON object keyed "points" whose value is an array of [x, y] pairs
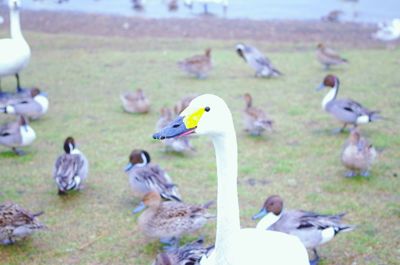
{"points": [[145, 177], [15, 52], [71, 168], [256, 60], [170, 220], [17, 134], [135, 102], [311, 228], [347, 111], [17, 223], [197, 65], [256, 120], [357, 155], [328, 57], [189, 254], [34, 106]]}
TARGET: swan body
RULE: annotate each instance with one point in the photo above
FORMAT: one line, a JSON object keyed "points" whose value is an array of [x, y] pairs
{"points": [[209, 115], [71, 168], [15, 52], [17, 223], [256, 60], [33, 106]]}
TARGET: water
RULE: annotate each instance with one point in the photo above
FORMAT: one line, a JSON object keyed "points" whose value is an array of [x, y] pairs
{"points": [[359, 11]]}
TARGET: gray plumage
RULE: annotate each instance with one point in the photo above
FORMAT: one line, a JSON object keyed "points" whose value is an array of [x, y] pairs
{"points": [[17, 223], [16, 134], [189, 254], [256, 60], [71, 168]]}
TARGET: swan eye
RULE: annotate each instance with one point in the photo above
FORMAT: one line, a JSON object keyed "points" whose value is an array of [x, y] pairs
{"points": [[207, 109]]}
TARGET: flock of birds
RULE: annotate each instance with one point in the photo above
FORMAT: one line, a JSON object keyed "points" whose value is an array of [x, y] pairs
{"points": [[164, 214]]}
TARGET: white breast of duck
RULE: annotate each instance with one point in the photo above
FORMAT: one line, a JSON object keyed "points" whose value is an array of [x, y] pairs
{"points": [[43, 102], [331, 95], [28, 135]]}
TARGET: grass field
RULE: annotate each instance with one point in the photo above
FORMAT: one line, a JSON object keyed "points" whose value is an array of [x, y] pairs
{"points": [[300, 160]]}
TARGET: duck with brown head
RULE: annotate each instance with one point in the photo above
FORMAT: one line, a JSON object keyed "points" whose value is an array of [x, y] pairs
{"points": [[347, 111], [71, 168], [17, 134], [311, 228], [34, 106], [197, 65], [145, 177]]}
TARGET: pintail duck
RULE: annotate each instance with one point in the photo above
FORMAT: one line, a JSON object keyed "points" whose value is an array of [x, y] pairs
{"points": [[135, 102], [145, 177], [357, 155], [189, 254], [71, 168], [17, 134], [197, 65], [347, 111], [34, 106], [328, 57], [178, 145], [257, 61], [169, 220], [16, 52], [17, 223], [210, 116], [255, 119], [311, 228]]}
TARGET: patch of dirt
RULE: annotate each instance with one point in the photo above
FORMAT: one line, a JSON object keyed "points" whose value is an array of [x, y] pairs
{"points": [[278, 31]]}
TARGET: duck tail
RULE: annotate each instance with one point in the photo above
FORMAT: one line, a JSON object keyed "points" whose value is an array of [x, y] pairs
{"points": [[344, 228], [38, 214], [276, 72], [374, 116]]}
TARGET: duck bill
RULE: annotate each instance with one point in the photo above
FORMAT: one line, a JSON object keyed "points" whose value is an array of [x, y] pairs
{"points": [[320, 87], [128, 167], [139, 208], [260, 214]]}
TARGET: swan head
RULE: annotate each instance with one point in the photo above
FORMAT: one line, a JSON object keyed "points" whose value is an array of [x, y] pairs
{"points": [[138, 158], [273, 204], [14, 4], [206, 115], [330, 81]]}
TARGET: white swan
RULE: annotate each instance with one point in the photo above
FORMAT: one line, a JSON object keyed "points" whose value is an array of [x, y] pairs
{"points": [[14, 52], [209, 115]]}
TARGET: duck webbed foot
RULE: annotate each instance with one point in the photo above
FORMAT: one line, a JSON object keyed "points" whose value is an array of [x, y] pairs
{"points": [[316, 259], [350, 174], [18, 152]]}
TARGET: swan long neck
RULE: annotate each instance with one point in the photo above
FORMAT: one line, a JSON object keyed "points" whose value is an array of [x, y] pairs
{"points": [[331, 95], [228, 220], [15, 25]]}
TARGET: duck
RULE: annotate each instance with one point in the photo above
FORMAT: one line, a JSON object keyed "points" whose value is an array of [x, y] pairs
{"points": [[17, 223], [357, 155], [347, 111], [71, 169], [170, 220], [224, 3], [34, 106], [179, 145], [327, 56], [17, 134], [17, 52], [145, 177], [210, 116], [190, 253], [197, 65], [313, 229], [256, 60], [388, 31], [256, 120], [135, 102]]}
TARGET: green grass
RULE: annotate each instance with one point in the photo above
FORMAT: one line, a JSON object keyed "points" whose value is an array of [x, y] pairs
{"points": [[300, 160]]}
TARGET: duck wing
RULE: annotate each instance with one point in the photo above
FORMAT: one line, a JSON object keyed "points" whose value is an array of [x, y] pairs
{"points": [[348, 107], [309, 220], [13, 215], [69, 170]]}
